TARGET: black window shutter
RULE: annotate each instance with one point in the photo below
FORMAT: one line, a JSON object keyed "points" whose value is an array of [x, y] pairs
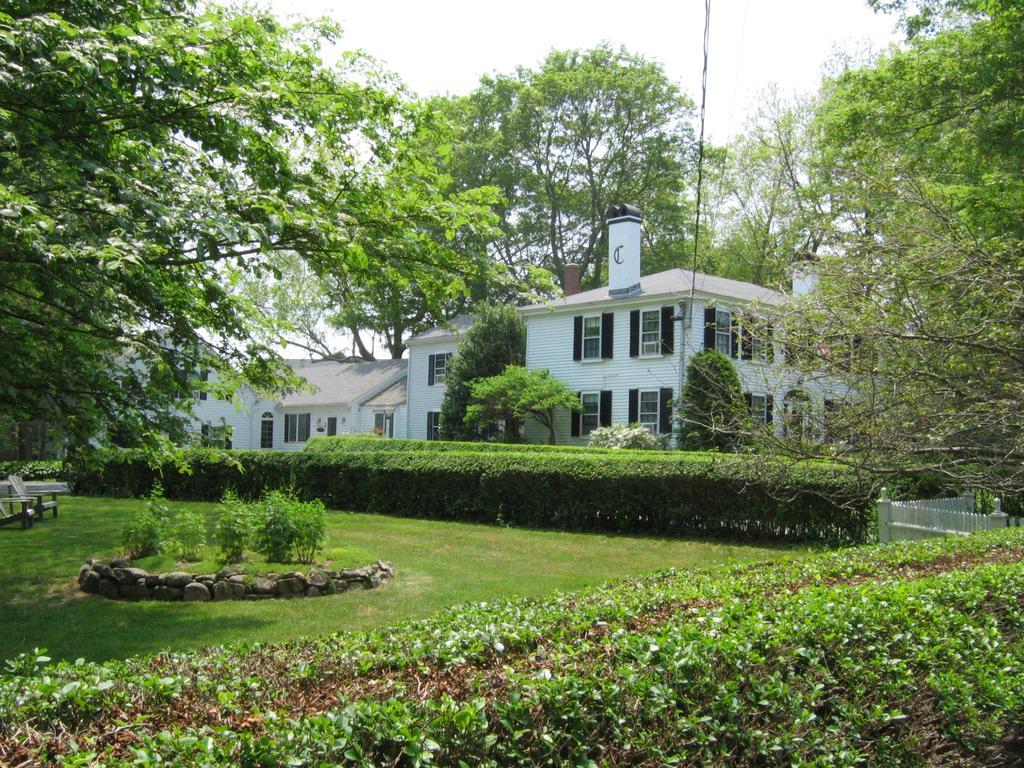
{"points": [[734, 334], [769, 340], [668, 330], [577, 338], [769, 404], [430, 370], [665, 417], [607, 334], [709, 327], [430, 424], [748, 338], [606, 408], [574, 429], [750, 401], [634, 406], [634, 333]]}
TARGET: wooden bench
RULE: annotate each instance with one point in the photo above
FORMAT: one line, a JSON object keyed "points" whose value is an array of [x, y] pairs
{"points": [[15, 508], [37, 492]]}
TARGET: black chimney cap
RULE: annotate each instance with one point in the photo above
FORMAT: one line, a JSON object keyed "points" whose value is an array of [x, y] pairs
{"points": [[623, 211]]}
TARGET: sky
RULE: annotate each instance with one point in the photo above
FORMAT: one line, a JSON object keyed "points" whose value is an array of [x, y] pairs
{"points": [[443, 47]]}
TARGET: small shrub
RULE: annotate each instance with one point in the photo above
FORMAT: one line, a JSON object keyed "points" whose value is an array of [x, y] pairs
{"points": [[310, 529], [186, 536], [276, 530], [234, 527], [143, 531], [633, 436]]}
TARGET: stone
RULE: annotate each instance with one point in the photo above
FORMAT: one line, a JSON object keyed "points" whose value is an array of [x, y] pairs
{"points": [[129, 575], [167, 593], [262, 586], [195, 592], [373, 582], [237, 578], [108, 588], [331, 574], [220, 590], [136, 591], [207, 578], [105, 571], [176, 579], [290, 586], [312, 591], [90, 581], [296, 575], [236, 590], [317, 579], [255, 596], [153, 580], [228, 571], [340, 585], [354, 574], [119, 562], [331, 587], [82, 571]]}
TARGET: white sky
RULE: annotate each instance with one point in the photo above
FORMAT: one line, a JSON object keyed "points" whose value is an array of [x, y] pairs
{"points": [[446, 45]]}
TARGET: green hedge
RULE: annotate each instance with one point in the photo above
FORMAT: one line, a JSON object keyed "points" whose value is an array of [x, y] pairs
{"points": [[360, 444], [712, 494], [898, 655], [37, 469]]}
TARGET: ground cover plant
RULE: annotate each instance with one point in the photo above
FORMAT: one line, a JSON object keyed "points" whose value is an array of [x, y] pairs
{"points": [[647, 492], [906, 654], [439, 564]]}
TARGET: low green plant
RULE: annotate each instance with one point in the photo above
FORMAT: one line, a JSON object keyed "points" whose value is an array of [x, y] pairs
{"points": [[186, 535], [628, 437], [310, 520], [143, 531], [276, 528], [234, 527]]}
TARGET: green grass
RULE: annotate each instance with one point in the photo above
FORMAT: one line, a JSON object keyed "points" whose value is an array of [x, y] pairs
{"points": [[438, 563]]}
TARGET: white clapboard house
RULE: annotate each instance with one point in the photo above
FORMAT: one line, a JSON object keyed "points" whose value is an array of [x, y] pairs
{"points": [[624, 347]]}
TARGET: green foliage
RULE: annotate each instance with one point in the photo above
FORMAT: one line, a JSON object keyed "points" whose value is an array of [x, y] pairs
{"points": [[713, 409], [358, 444], [614, 491], [234, 527], [496, 339], [35, 469], [144, 530], [275, 530], [623, 436], [844, 655], [310, 529], [516, 393], [186, 536]]}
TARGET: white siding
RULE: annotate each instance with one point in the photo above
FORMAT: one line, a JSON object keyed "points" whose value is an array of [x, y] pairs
{"points": [[366, 419], [422, 397], [318, 415]]}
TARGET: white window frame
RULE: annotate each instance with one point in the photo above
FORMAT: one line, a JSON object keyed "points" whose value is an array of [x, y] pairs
{"points": [[759, 414], [584, 396], [759, 340], [267, 419], [726, 334], [293, 427], [441, 366], [435, 431], [591, 337], [650, 348], [655, 425]]}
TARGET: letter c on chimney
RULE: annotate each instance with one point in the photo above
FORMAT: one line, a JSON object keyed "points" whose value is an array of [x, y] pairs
{"points": [[615, 256]]}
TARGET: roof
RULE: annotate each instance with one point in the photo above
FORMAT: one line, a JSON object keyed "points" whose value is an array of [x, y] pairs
{"points": [[391, 397], [451, 329], [673, 282], [342, 383]]}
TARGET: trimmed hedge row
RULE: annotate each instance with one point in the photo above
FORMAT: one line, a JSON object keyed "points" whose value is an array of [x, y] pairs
{"points": [[705, 494], [360, 444], [35, 469]]}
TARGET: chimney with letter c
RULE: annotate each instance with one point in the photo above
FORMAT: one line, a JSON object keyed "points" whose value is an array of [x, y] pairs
{"points": [[623, 250], [573, 273]]}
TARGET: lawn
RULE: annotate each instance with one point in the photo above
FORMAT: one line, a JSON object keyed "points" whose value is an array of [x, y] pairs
{"points": [[439, 564]]}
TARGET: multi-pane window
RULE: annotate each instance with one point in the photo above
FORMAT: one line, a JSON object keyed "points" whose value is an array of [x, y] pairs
{"points": [[296, 427], [433, 425], [441, 367], [201, 393], [590, 415], [650, 332], [650, 409], [592, 337], [215, 437], [723, 331], [759, 408], [267, 430]]}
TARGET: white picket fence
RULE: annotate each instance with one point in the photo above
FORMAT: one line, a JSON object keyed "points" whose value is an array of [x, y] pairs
{"points": [[928, 518]]}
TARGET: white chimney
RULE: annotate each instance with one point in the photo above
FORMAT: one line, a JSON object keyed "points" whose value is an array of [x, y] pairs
{"points": [[623, 250], [805, 274]]}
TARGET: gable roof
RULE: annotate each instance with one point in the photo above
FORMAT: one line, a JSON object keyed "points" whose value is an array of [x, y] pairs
{"points": [[337, 383], [674, 282], [453, 328], [390, 397]]}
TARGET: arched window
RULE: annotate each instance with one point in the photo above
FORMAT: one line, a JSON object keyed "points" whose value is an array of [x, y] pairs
{"points": [[796, 410], [267, 430]]}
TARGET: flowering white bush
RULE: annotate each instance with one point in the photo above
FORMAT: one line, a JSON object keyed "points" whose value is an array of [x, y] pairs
{"points": [[623, 436]]}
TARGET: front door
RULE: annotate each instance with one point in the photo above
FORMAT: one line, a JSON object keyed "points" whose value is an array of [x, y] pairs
{"points": [[332, 425]]}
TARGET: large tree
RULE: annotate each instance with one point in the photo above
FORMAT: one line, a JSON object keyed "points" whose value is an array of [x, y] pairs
{"points": [[516, 394], [921, 305], [564, 141], [148, 145]]}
